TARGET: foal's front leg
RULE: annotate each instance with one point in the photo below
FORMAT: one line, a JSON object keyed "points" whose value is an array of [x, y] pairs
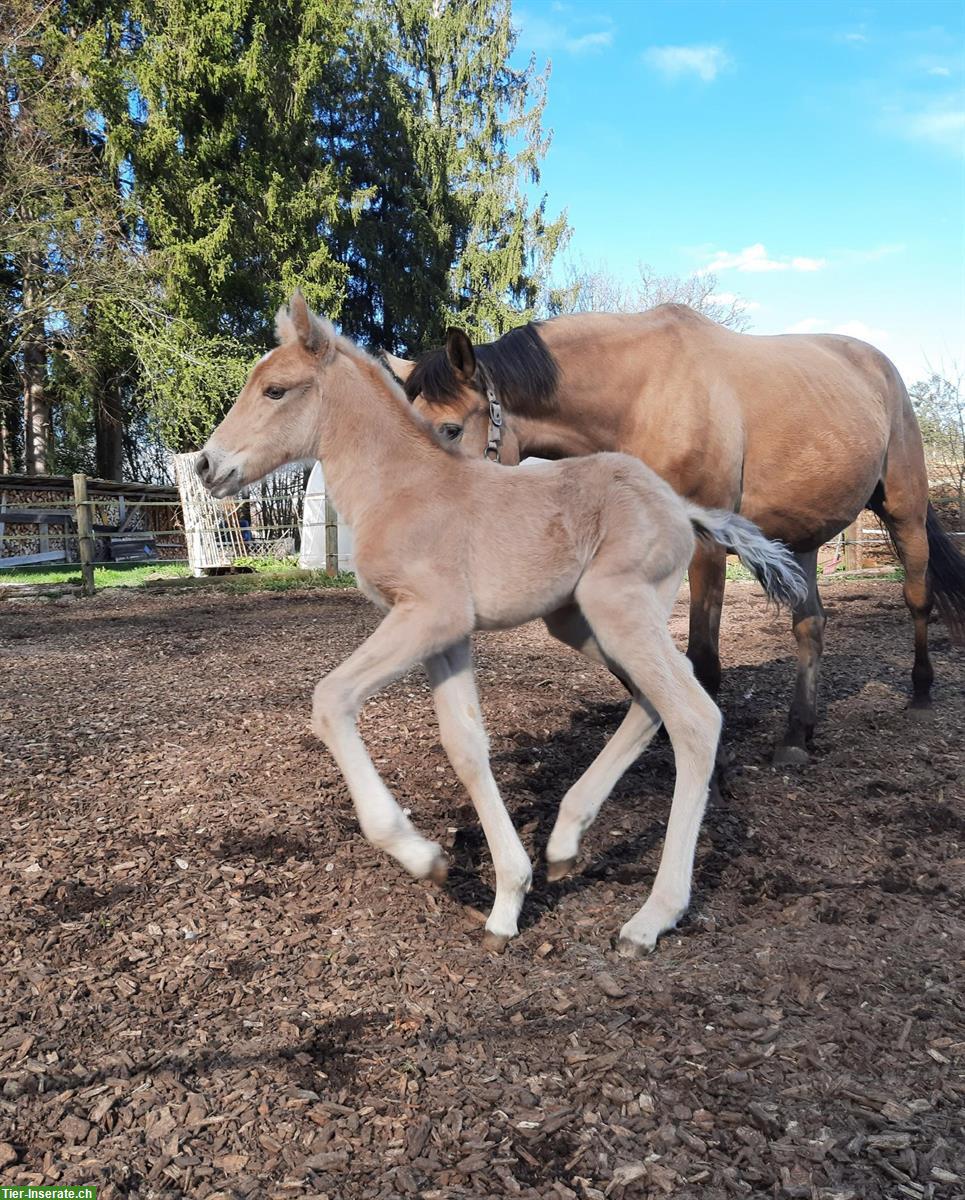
{"points": [[408, 635], [464, 740]]}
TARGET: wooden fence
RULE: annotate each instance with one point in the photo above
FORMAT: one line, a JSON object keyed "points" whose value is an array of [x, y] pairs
{"points": [[56, 519], [129, 521]]}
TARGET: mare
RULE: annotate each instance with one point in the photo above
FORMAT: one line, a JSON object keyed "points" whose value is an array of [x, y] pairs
{"points": [[797, 432]]}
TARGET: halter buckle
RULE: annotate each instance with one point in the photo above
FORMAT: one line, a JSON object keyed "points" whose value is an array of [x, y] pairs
{"points": [[494, 444]]}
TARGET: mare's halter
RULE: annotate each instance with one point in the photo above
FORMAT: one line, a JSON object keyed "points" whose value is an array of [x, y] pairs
{"points": [[494, 441]]}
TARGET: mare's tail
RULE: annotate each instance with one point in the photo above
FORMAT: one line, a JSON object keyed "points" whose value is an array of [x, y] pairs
{"points": [[771, 562], [946, 565]]}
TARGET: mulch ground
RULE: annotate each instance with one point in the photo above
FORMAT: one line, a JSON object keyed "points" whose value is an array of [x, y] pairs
{"points": [[213, 987]]}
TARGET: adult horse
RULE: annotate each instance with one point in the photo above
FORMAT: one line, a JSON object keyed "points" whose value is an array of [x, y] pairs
{"points": [[797, 432]]}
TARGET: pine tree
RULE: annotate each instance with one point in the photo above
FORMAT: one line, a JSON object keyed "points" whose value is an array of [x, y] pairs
{"points": [[65, 251], [231, 188], [450, 236]]}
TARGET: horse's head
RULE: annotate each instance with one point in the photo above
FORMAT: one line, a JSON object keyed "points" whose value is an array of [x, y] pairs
{"points": [[275, 419], [449, 388]]}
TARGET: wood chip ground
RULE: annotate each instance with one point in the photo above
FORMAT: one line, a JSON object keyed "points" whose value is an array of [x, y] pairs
{"points": [[212, 987]]}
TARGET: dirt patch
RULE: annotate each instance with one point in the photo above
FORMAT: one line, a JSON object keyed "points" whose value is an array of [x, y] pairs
{"points": [[214, 987]]}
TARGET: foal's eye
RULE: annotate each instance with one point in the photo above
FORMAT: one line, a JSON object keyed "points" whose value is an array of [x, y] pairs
{"points": [[275, 393], [451, 432]]}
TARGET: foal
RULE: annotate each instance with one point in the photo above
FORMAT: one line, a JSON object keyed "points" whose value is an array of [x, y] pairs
{"points": [[595, 546]]}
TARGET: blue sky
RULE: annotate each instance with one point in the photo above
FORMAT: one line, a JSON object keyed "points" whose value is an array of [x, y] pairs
{"points": [[811, 154]]}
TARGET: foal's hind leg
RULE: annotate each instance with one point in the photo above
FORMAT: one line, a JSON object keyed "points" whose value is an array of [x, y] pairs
{"points": [[464, 740], [808, 621], [582, 803], [628, 619]]}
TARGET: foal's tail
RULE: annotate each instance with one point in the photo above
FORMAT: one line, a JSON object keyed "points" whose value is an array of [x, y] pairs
{"points": [[946, 566], [775, 567]]}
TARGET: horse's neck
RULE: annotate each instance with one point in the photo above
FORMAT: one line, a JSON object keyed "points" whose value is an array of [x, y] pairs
{"points": [[370, 447], [578, 420], [602, 360]]}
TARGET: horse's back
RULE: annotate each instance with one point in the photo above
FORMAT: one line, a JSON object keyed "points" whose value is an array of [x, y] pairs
{"points": [[804, 422]]}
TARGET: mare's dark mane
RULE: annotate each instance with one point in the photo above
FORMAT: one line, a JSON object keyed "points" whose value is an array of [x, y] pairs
{"points": [[522, 369]]}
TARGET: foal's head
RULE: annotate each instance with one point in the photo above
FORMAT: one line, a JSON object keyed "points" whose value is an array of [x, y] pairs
{"points": [[275, 419], [448, 388]]}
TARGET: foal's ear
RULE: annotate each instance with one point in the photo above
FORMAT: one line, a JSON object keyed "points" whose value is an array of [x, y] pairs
{"points": [[299, 323], [401, 368], [459, 351]]}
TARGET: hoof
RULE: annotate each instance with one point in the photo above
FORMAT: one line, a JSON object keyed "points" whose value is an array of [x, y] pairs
{"points": [[919, 708], [439, 871], [559, 869], [630, 949], [791, 756], [495, 943]]}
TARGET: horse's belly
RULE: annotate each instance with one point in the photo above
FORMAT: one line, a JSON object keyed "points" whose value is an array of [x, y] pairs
{"points": [[518, 603]]}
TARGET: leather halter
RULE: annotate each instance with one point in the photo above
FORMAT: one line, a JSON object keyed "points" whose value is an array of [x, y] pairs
{"points": [[494, 441]]}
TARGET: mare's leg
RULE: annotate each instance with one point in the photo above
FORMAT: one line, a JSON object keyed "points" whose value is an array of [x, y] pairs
{"points": [[629, 621], [583, 801], [408, 635], [808, 622], [464, 740], [707, 575], [903, 508]]}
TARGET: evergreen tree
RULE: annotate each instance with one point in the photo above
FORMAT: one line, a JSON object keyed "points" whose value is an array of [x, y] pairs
{"points": [[66, 254], [171, 169], [452, 138]]}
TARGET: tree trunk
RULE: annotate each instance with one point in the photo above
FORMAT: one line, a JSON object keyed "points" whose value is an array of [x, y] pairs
{"points": [[109, 430], [37, 425], [36, 408], [8, 436]]}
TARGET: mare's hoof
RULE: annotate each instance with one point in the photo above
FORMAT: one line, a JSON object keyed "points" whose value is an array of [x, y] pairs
{"points": [[495, 943], [791, 756], [919, 708], [627, 948], [559, 869], [439, 871]]}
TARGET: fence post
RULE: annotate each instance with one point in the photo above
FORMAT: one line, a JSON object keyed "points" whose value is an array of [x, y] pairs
{"points": [[85, 541], [853, 557], [331, 538]]}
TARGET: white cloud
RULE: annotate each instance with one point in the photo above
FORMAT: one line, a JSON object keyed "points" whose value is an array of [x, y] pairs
{"points": [[754, 259], [940, 123], [855, 329], [733, 298], [548, 36], [943, 71], [945, 128], [855, 38], [589, 41], [706, 62], [867, 333], [876, 252], [808, 325]]}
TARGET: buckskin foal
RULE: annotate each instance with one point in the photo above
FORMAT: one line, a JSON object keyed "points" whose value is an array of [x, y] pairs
{"points": [[596, 546], [798, 432]]}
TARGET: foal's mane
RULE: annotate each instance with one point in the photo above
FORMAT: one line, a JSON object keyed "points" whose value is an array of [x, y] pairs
{"points": [[523, 370], [383, 380]]}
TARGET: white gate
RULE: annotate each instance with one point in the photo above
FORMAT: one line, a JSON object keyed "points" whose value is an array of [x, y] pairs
{"points": [[264, 523], [312, 554]]}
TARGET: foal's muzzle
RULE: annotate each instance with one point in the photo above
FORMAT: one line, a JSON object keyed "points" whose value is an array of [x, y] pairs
{"points": [[219, 476]]}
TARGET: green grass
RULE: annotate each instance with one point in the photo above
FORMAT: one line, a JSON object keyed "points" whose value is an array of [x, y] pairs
{"points": [[121, 575], [736, 570], [267, 574], [266, 580]]}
